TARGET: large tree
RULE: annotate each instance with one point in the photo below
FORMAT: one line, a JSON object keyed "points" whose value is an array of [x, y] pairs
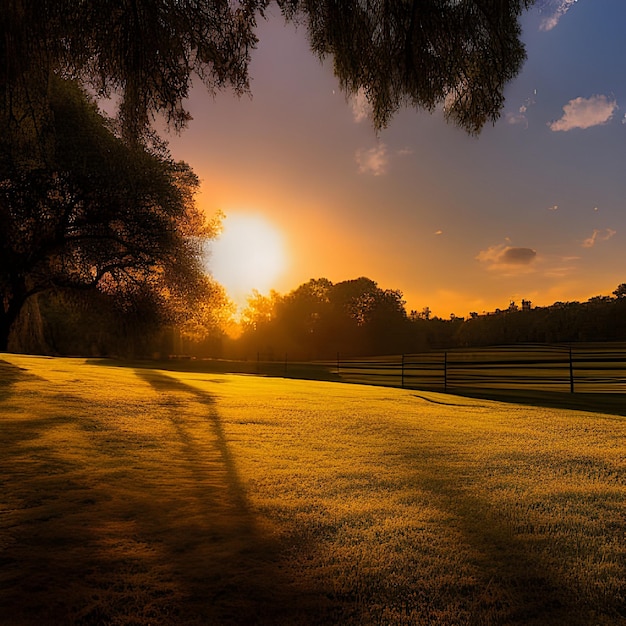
{"points": [[422, 53], [319, 319], [93, 212]]}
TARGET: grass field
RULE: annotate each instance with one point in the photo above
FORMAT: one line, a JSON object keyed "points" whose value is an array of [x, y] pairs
{"points": [[148, 497]]}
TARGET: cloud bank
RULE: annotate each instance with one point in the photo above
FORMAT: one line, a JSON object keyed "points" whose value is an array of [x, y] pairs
{"points": [[585, 113]]}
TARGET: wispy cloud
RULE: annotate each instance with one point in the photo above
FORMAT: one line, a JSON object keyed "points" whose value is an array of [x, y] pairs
{"points": [[361, 108], [374, 161], [598, 235], [585, 113], [554, 207], [519, 117], [505, 257], [562, 267], [555, 10]]}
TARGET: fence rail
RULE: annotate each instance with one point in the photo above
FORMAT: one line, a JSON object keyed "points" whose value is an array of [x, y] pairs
{"points": [[577, 368], [583, 368]]}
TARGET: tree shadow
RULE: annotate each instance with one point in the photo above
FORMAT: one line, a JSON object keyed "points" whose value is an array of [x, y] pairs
{"points": [[9, 375], [95, 529], [515, 585]]}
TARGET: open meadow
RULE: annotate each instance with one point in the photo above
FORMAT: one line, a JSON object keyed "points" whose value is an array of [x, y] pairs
{"points": [[151, 497]]}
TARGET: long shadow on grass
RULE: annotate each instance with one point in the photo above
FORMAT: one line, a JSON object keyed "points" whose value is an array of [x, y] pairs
{"points": [[9, 375], [515, 585], [230, 568], [167, 386], [104, 522]]}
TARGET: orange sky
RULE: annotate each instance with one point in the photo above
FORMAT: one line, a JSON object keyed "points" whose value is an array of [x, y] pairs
{"points": [[532, 209]]}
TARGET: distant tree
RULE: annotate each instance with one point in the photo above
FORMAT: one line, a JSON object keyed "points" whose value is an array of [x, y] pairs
{"points": [[91, 212], [620, 292], [260, 309], [212, 313], [319, 319]]}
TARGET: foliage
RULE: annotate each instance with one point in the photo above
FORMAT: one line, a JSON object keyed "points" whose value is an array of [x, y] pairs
{"points": [[358, 318], [94, 212], [418, 53], [319, 319], [144, 51], [602, 318]]}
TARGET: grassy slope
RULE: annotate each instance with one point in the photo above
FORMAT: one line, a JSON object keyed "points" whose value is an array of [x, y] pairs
{"points": [[151, 497]]}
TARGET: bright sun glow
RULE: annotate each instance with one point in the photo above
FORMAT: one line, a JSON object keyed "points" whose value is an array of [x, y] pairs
{"points": [[249, 254]]}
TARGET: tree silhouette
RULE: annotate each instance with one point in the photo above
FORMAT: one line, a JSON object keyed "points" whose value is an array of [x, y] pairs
{"points": [[94, 212], [419, 53]]}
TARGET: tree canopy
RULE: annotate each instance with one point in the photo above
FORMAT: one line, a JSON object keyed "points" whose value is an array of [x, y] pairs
{"points": [[420, 53], [94, 212], [320, 318]]}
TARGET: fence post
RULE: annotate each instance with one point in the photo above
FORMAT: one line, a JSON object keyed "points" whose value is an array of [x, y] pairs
{"points": [[402, 379], [445, 371], [571, 371]]}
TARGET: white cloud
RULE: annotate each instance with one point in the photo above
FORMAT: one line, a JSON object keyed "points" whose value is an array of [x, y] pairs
{"points": [[585, 113], [374, 161], [598, 235], [361, 108], [554, 207], [555, 10]]}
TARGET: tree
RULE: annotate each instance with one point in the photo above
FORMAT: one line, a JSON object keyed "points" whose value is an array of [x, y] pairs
{"points": [[421, 53], [145, 51], [318, 319], [620, 292], [91, 212]]}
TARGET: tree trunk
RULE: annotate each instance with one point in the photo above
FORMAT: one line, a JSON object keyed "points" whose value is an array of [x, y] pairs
{"points": [[7, 319], [5, 329]]}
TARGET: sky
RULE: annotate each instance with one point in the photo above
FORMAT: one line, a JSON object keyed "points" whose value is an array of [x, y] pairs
{"points": [[534, 208]]}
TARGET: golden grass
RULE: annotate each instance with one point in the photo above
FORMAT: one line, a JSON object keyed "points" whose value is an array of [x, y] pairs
{"points": [[138, 496]]}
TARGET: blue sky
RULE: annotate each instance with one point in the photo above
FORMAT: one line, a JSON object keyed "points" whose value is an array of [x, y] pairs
{"points": [[533, 208]]}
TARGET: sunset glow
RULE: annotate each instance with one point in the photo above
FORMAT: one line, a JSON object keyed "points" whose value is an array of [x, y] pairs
{"points": [[531, 209], [249, 254]]}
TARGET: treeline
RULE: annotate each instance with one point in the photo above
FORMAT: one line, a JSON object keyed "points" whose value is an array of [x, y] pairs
{"points": [[601, 318], [320, 319], [316, 321]]}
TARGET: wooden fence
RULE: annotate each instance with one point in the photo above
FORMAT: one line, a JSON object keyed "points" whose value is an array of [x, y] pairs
{"points": [[574, 368]]}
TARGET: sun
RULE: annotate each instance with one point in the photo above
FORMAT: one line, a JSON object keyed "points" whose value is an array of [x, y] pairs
{"points": [[248, 254]]}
